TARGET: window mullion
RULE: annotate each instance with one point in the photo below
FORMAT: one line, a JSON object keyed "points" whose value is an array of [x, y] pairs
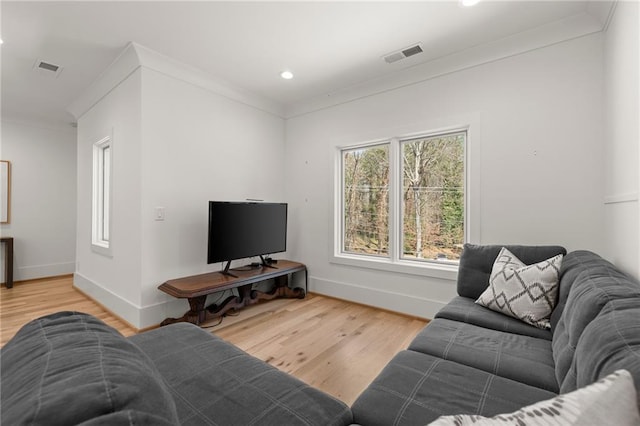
{"points": [[395, 192]]}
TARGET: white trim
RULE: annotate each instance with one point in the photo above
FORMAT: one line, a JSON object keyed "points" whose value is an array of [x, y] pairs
{"points": [[33, 272], [393, 262], [137, 316], [628, 197], [398, 302], [44, 125], [119, 70], [119, 306], [99, 244], [168, 66], [135, 56], [602, 11], [445, 271], [567, 29]]}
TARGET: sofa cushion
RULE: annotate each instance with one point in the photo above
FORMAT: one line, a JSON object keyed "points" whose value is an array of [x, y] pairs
{"points": [[521, 358], [610, 401], [476, 262], [69, 368], [526, 292], [466, 310], [573, 265], [610, 342], [214, 382], [597, 284], [416, 388]]}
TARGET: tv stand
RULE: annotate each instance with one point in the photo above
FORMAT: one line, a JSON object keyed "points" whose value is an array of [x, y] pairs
{"points": [[287, 275]]}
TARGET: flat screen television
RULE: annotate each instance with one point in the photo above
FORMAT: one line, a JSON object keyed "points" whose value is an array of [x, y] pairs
{"points": [[239, 230]]}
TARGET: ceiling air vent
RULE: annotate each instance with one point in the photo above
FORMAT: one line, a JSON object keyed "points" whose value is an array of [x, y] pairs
{"points": [[403, 54], [47, 68]]}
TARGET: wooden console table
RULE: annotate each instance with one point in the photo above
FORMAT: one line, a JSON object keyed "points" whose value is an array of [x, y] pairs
{"points": [[8, 260], [196, 288]]}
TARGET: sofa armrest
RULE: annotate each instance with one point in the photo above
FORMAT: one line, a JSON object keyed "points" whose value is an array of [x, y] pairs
{"points": [[71, 368]]}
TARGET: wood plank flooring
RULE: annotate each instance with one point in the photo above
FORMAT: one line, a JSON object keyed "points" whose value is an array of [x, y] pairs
{"points": [[333, 345], [28, 300]]}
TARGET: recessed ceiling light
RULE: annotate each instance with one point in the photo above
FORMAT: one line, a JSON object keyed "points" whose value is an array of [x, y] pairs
{"points": [[469, 3], [287, 75], [1, 41]]}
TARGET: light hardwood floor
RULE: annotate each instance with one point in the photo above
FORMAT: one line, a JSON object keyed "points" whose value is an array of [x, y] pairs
{"points": [[29, 300], [333, 345]]}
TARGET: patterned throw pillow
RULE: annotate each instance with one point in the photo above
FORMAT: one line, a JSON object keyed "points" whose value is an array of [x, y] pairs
{"points": [[609, 401], [526, 292]]}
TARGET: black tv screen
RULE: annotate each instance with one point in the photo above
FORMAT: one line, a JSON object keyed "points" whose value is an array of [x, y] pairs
{"points": [[244, 229]]}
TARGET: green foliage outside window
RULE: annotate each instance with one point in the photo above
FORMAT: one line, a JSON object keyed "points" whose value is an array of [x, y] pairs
{"points": [[432, 197]]}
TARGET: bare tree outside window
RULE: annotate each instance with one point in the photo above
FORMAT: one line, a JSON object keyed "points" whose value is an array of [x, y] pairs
{"points": [[429, 197], [366, 200], [433, 197]]}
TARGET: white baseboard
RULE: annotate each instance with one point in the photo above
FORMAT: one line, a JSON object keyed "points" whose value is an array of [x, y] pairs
{"points": [[147, 316], [116, 304], [138, 317], [43, 271], [398, 302]]}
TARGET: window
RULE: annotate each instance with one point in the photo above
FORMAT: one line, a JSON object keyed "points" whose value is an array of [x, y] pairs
{"points": [[366, 200], [433, 197], [101, 223], [403, 200]]}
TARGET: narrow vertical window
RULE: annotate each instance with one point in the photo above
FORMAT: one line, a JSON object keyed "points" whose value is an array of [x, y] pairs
{"points": [[101, 217]]}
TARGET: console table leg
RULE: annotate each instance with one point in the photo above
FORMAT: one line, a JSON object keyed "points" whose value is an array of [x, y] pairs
{"points": [[197, 308], [281, 289], [289, 278], [8, 260], [197, 313]]}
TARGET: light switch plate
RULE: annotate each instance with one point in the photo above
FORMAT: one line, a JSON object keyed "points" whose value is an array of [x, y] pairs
{"points": [[158, 213]]}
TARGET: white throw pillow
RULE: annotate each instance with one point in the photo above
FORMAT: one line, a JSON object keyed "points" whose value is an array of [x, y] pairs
{"points": [[526, 292], [609, 401]]}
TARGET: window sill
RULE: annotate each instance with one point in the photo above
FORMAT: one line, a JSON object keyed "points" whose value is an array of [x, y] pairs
{"points": [[103, 250], [426, 269]]}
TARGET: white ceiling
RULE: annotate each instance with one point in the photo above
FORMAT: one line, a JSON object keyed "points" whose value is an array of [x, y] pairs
{"points": [[329, 46]]}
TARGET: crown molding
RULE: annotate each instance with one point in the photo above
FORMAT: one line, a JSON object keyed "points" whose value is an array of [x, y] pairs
{"points": [[123, 66], [163, 64], [602, 11], [556, 32], [135, 56], [39, 124]]}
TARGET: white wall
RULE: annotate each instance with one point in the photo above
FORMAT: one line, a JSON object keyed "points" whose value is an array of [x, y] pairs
{"points": [[622, 137], [177, 143], [197, 146], [113, 280], [536, 120], [43, 193]]}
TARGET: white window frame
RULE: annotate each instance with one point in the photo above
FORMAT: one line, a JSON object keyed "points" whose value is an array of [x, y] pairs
{"points": [[102, 190], [394, 262]]}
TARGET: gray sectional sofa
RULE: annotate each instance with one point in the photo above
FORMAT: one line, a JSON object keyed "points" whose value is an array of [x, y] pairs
{"points": [[471, 360], [70, 368]]}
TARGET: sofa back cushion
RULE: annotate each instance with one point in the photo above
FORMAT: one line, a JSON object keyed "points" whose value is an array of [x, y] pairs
{"points": [[71, 368], [573, 265], [476, 262], [588, 283], [610, 342]]}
